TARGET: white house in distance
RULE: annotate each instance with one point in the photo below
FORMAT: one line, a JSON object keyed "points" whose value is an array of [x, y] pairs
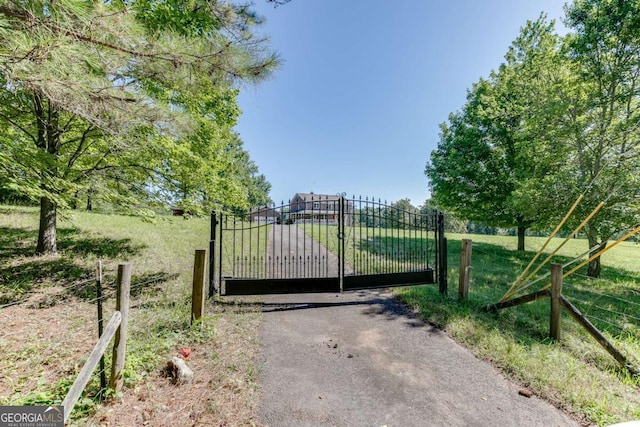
{"points": [[318, 209], [265, 214]]}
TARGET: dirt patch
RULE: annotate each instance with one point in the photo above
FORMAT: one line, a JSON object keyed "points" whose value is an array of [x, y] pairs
{"points": [[42, 345], [46, 346], [224, 391]]}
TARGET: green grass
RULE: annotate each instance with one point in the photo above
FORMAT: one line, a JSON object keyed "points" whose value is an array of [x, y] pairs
{"points": [[162, 247], [377, 250], [245, 247], [160, 318], [576, 373]]}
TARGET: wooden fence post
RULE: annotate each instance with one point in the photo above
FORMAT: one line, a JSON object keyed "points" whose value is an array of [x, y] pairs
{"points": [[90, 365], [197, 296], [556, 302], [465, 267], [120, 342], [212, 255], [103, 374]]}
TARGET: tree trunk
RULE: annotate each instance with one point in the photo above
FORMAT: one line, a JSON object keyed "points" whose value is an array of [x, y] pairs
{"points": [[74, 201], [48, 141], [47, 233], [594, 265], [594, 242], [521, 230]]}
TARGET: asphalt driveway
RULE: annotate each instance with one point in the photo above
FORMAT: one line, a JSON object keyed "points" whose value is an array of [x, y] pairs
{"points": [[363, 359], [291, 253]]}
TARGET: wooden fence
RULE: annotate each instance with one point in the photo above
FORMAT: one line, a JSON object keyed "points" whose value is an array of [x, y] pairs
{"points": [[117, 327], [558, 302]]}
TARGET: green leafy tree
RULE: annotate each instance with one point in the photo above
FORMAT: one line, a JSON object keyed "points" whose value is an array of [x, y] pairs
{"points": [[243, 174], [452, 224], [259, 189], [559, 119], [474, 171], [401, 215], [210, 168], [102, 94], [587, 125], [602, 126], [490, 149]]}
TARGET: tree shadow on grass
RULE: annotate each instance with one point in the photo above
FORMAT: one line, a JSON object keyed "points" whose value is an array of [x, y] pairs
{"points": [[405, 249], [21, 272], [16, 242], [72, 241], [611, 301]]}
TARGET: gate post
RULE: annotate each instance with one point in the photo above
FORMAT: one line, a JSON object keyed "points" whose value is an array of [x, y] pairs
{"points": [[442, 249], [341, 254], [212, 255], [465, 265], [556, 303]]}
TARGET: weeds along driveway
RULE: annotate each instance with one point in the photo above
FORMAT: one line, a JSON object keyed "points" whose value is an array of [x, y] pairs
{"points": [[363, 359]]}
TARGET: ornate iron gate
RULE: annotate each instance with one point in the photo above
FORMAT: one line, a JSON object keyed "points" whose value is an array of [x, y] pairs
{"points": [[325, 244]]}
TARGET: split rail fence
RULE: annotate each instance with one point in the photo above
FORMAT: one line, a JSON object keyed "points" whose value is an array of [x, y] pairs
{"points": [[115, 330], [558, 302]]}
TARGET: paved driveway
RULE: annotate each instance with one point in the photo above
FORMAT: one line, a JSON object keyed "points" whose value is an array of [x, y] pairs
{"points": [[291, 253], [362, 359]]}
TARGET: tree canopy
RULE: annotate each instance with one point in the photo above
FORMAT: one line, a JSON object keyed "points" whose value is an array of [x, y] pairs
{"points": [[128, 101], [481, 159], [559, 118]]}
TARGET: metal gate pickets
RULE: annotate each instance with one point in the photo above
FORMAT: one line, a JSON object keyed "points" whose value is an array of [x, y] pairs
{"points": [[322, 243]]}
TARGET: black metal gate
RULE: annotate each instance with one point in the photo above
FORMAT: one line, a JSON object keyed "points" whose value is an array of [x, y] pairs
{"points": [[322, 243]]}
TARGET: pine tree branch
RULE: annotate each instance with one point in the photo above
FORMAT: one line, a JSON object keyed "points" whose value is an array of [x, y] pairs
{"points": [[19, 126], [81, 147], [33, 21]]}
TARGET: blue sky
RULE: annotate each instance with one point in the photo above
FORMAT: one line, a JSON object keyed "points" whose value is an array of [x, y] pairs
{"points": [[364, 85]]}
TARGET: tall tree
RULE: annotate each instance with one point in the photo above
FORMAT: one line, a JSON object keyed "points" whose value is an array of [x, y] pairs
{"points": [[475, 168], [574, 106], [451, 223], [401, 214], [100, 88], [604, 129], [203, 176], [490, 149]]}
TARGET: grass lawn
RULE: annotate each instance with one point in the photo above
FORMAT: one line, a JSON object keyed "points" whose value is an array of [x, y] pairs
{"points": [[245, 247], [372, 250], [48, 334], [576, 373]]}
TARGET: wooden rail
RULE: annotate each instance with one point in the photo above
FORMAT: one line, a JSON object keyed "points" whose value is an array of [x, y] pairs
{"points": [[534, 296], [94, 358], [117, 327], [557, 302]]}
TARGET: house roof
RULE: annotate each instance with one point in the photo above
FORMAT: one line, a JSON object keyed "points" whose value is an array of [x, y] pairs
{"points": [[319, 197], [315, 212], [263, 209]]}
